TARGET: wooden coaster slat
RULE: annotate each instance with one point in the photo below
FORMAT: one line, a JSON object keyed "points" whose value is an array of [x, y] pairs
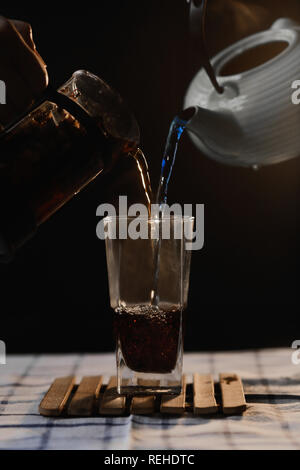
{"points": [[204, 401], [82, 403], [144, 405], [112, 403], [57, 396], [174, 404], [233, 397]]}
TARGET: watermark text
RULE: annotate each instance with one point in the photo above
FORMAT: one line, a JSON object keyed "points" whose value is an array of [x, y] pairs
{"points": [[2, 353], [296, 94], [176, 222], [296, 354], [2, 92]]}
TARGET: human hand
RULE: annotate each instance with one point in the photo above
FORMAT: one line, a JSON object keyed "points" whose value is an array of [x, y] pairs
{"points": [[21, 68]]}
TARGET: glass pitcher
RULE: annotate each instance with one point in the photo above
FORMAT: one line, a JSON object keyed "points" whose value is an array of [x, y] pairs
{"points": [[52, 152]]}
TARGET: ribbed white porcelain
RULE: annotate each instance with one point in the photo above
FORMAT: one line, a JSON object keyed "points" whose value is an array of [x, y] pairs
{"points": [[254, 122]]}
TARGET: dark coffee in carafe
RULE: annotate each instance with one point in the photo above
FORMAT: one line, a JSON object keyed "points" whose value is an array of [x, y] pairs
{"points": [[56, 150]]}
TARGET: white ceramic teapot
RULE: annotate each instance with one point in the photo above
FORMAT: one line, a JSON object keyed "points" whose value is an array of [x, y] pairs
{"points": [[254, 122]]}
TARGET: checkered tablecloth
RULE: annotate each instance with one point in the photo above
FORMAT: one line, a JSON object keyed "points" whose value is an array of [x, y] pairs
{"points": [[272, 419]]}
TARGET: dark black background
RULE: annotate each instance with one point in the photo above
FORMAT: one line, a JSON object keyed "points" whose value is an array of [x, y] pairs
{"points": [[244, 283]]}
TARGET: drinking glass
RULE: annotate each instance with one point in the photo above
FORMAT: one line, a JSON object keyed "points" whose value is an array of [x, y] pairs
{"points": [[148, 283]]}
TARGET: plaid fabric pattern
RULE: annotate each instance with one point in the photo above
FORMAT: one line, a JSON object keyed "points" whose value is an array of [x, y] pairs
{"points": [[272, 419]]}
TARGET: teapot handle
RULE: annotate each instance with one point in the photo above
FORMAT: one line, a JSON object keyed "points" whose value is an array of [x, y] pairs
{"points": [[198, 22]]}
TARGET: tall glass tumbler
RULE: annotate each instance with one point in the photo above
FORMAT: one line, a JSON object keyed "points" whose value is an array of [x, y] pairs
{"points": [[148, 270]]}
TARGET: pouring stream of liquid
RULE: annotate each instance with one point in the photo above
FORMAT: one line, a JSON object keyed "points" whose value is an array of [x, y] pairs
{"points": [[177, 128]]}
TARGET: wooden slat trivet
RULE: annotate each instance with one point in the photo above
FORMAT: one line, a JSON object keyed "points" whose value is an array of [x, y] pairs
{"points": [[112, 403], [57, 396], [58, 400], [82, 404], [204, 395], [233, 397], [174, 404]]}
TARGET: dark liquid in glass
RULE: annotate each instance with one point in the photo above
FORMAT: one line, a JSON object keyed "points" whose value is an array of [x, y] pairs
{"points": [[149, 337]]}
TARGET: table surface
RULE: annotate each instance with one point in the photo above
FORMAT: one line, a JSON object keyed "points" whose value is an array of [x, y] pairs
{"points": [[271, 421]]}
